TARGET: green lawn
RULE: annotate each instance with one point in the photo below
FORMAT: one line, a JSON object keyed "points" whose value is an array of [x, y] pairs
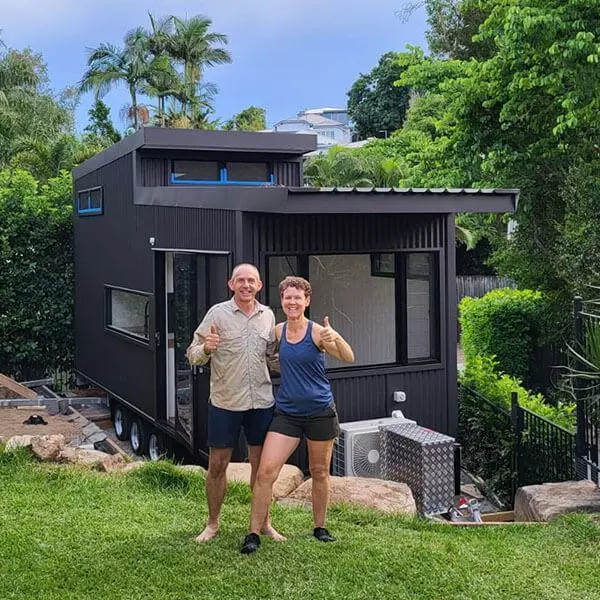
{"points": [[69, 534]]}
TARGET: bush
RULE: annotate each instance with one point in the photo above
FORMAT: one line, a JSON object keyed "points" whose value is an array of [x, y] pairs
{"points": [[507, 324], [482, 374], [36, 274]]}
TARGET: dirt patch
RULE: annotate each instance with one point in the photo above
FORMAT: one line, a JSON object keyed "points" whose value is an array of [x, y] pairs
{"points": [[11, 423]]}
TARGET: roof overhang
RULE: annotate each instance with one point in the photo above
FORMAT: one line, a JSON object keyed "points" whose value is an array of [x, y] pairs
{"points": [[166, 139], [330, 201]]}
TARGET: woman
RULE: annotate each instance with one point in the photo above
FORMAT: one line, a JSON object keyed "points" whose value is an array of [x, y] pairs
{"points": [[303, 407]]}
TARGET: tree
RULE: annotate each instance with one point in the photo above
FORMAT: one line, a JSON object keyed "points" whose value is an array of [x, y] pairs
{"points": [[100, 125], [375, 104], [110, 65], [252, 118], [525, 117], [195, 47]]}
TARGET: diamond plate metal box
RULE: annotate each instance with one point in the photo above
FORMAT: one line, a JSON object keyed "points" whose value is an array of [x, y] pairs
{"points": [[424, 460]]}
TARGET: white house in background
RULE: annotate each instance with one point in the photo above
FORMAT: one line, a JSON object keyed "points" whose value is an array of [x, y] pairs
{"points": [[331, 125]]}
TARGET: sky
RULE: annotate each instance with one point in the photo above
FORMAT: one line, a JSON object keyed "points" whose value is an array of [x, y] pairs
{"points": [[287, 55]]}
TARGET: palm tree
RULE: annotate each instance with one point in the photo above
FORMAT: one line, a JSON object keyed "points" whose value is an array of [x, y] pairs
{"points": [[111, 65], [195, 47]]}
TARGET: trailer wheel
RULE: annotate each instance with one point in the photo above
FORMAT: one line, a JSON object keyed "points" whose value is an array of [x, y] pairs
{"points": [[122, 422], [138, 436], [156, 445]]}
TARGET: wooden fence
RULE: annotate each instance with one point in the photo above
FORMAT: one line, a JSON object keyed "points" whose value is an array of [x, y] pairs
{"points": [[476, 286]]}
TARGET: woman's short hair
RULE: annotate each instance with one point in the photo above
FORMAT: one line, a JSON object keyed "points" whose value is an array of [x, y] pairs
{"points": [[295, 282]]}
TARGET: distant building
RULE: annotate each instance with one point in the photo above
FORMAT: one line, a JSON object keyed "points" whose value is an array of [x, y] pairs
{"points": [[331, 125]]}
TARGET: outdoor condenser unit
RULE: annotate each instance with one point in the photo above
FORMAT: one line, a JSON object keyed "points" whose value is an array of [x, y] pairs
{"points": [[357, 452], [424, 460]]}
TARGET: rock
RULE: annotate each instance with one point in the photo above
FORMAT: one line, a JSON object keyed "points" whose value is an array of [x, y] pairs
{"points": [[92, 459], [289, 478], [193, 469], [47, 447], [546, 501], [19, 441], [386, 496]]}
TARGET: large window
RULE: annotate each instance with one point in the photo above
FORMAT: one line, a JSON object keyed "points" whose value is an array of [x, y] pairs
{"points": [[384, 304], [90, 202], [128, 312], [205, 172]]}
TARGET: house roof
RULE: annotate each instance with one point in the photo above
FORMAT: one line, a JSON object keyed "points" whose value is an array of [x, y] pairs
{"points": [[322, 110], [314, 120], [306, 200], [158, 138]]}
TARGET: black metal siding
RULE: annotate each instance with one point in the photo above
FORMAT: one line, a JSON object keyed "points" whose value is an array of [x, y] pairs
{"points": [[369, 394], [114, 249], [287, 173], [109, 250]]}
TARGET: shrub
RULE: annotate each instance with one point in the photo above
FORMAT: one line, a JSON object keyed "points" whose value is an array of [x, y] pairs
{"points": [[507, 324], [482, 374], [36, 274]]}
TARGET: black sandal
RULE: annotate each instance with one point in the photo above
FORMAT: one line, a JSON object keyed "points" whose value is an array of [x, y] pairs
{"points": [[323, 535], [251, 544]]}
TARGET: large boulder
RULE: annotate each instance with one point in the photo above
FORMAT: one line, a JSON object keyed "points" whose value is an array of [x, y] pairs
{"points": [[48, 447], [93, 459], [386, 496], [546, 501], [289, 478]]}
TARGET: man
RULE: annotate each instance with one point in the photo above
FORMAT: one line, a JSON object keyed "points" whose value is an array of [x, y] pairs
{"points": [[238, 337]]}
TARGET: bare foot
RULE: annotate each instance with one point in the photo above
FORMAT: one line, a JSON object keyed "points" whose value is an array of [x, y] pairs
{"points": [[210, 531], [272, 533]]}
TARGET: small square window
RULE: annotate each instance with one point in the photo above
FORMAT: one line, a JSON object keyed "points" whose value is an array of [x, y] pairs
{"points": [[90, 202], [196, 170], [242, 171]]}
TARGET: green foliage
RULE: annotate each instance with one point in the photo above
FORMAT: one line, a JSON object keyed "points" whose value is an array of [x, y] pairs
{"points": [[252, 118], [100, 126], [483, 374], [507, 324], [375, 104], [29, 113], [36, 278], [348, 168]]}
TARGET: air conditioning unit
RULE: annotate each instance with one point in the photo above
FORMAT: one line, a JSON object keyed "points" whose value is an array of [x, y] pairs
{"points": [[357, 452]]}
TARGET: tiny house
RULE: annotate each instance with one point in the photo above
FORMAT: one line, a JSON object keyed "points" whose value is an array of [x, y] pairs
{"points": [[163, 216]]}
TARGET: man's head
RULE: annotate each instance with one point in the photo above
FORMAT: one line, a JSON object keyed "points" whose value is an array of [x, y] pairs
{"points": [[245, 283]]}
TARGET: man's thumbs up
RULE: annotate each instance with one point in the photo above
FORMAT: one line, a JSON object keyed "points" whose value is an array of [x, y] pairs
{"points": [[328, 335], [211, 341]]}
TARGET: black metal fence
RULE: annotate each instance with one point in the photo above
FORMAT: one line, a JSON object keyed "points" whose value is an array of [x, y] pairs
{"points": [[586, 388], [511, 449]]}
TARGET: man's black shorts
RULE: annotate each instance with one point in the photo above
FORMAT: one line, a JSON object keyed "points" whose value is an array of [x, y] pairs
{"points": [[224, 426], [320, 427]]}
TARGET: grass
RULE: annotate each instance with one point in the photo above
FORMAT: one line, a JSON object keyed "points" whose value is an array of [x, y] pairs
{"points": [[72, 534]]}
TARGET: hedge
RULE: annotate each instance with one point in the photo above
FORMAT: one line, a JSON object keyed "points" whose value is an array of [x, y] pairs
{"points": [[36, 274], [507, 324]]}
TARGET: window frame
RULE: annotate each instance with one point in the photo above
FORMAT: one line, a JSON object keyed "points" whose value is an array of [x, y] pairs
{"points": [[223, 179], [401, 303], [89, 212], [140, 339]]}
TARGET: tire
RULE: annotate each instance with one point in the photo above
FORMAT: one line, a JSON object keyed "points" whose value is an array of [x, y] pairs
{"points": [[121, 422], [156, 445], [138, 436]]}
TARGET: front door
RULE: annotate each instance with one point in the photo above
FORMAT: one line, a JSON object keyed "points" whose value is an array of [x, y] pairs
{"points": [[193, 282]]}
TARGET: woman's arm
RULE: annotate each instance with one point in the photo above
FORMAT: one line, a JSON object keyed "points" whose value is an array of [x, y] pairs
{"points": [[329, 340]]}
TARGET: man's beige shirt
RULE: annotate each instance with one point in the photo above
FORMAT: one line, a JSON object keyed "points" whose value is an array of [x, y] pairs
{"points": [[239, 377]]}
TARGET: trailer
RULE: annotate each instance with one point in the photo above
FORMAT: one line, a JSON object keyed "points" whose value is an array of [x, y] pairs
{"points": [[160, 219]]}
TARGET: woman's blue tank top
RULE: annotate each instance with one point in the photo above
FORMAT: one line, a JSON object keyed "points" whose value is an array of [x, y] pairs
{"points": [[304, 388]]}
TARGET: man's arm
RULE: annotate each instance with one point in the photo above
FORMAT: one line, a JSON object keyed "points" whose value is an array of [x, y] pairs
{"points": [[197, 352], [272, 353]]}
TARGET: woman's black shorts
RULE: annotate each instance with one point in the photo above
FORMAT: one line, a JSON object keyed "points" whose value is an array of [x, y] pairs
{"points": [[320, 427]]}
